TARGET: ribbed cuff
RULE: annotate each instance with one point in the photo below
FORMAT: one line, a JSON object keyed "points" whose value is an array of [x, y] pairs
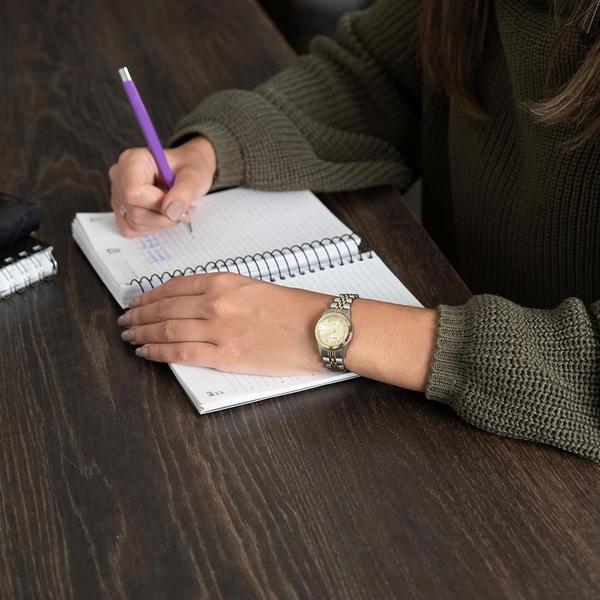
{"points": [[230, 160], [449, 366]]}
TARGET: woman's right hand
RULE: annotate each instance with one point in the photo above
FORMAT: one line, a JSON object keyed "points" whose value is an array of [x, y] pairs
{"points": [[139, 199]]}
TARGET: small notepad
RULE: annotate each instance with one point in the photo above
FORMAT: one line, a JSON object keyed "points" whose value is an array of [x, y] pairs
{"points": [[288, 238]]}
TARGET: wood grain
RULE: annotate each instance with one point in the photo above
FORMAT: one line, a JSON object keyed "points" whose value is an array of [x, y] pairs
{"points": [[112, 487]]}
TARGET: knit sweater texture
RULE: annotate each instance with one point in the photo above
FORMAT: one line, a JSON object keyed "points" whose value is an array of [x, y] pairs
{"points": [[517, 214]]}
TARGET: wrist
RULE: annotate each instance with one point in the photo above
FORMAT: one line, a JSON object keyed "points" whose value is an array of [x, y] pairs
{"points": [[392, 343], [200, 150]]}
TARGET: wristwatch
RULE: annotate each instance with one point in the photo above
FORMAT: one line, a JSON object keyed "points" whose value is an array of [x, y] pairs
{"points": [[334, 332]]}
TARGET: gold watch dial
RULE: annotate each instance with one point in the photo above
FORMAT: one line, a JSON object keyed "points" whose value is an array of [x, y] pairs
{"points": [[333, 330]]}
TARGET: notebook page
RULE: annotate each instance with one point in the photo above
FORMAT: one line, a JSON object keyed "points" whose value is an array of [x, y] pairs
{"points": [[211, 390], [226, 224]]}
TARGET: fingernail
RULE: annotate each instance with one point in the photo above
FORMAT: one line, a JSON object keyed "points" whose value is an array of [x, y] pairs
{"points": [[186, 217], [134, 302], [142, 351], [124, 319], [175, 210], [127, 335]]}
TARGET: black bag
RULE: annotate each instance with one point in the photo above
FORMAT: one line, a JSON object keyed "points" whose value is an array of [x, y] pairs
{"points": [[18, 218]]}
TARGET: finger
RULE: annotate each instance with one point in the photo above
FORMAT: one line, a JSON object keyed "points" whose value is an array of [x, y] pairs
{"points": [[126, 229], [145, 196], [141, 219], [176, 330], [199, 354], [136, 167], [188, 285], [189, 184], [184, 307]]}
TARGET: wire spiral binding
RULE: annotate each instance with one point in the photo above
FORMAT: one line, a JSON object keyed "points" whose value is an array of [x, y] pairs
{"points": [[283, 263], [28, 269]]}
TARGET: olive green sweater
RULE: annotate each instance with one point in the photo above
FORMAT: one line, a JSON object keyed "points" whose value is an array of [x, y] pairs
{"points": [[518, 215]]}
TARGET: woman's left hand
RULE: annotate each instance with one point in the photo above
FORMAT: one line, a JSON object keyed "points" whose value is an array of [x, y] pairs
{"points": [[227, 322]]}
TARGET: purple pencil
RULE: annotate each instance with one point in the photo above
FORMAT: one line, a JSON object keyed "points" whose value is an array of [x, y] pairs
{"points": [[143, 119]]}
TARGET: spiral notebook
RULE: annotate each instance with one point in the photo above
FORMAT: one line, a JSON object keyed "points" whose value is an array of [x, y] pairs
{"points": [[288, 238], [24, 264]]}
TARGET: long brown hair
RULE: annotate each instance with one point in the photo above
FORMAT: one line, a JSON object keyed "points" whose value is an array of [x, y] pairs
{"points": [[453, 40]]}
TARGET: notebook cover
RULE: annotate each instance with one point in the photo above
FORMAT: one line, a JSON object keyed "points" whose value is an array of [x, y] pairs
{"points": [[18, 218]]}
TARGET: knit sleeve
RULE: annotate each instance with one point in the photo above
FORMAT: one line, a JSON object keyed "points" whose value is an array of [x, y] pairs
{"points": [[344, 116], [526, 373]]}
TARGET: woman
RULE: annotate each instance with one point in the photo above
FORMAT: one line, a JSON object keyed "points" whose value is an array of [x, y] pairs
{"points": [[496, 104]]}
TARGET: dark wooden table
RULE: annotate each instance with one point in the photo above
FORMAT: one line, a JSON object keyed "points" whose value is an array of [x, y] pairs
{"points": [[112, 486]]}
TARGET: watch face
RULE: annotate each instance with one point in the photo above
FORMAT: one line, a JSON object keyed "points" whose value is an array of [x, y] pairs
{"points": [[333, 330]]}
